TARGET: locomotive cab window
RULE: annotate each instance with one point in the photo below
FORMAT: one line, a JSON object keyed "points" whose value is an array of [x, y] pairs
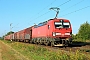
{"points": [[62, 25], [66, 25], [58, 25]]}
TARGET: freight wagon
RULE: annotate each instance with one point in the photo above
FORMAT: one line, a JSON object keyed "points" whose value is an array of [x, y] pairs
{"points": [[23, 35]]}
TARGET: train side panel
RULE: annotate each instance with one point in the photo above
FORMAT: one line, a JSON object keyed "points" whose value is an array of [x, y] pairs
{"points": [[28, 33], [7, 37], [21, 35], [15, 36], [18, 36], [12, 36], [40, 31]]}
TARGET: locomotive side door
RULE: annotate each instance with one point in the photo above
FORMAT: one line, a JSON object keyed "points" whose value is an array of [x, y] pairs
{"points": [[30, 34], [50, 27], [48, 30]]}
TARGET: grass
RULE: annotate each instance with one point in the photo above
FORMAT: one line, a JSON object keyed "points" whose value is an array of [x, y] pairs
{"points": [[7, 53], [34, 52], [80, 40]]}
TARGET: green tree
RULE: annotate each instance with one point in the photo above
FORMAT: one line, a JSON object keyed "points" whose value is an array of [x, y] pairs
{"points": [[84, 31], [11, 32], [73, 36]]}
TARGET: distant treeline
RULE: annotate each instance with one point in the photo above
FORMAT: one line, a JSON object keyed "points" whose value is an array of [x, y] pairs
{"points": [[11, 32]]}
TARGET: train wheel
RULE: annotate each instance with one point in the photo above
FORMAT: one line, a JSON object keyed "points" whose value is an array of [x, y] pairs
{"points": [[18, 40], [24, 41], [46, 43], [39, 42], [30, 41], [52, 43]]}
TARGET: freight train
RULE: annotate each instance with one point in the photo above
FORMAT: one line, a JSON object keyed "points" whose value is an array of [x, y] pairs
{"points": [[54, 32]]}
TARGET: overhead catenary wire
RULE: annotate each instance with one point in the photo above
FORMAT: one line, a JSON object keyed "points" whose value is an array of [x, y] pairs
{"points": [[42, 14], [63, 3], [42, 10], [49, 11], [73, 5], [45, 7], [76, 10]]}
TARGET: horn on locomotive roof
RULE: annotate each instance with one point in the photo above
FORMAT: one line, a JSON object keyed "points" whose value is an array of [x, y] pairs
{"points": [[55, 9]]}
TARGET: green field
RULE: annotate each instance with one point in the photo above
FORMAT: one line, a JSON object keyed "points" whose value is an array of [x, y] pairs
{"points": [[36, 52]]}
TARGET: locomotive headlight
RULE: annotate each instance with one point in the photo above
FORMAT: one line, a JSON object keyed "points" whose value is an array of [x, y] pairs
{"points": [[67, 33], [58, 33], [54, 34]]}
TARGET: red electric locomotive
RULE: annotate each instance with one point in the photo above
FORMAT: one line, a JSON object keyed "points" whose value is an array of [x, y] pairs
{"points": [[54, 31]]}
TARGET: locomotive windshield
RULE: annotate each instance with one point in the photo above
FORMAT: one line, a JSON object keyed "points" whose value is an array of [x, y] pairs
{"points": [[62, 25]]}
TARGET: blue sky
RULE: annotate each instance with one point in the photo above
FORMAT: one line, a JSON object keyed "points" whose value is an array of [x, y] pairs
{"points": [[25, 13]]}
